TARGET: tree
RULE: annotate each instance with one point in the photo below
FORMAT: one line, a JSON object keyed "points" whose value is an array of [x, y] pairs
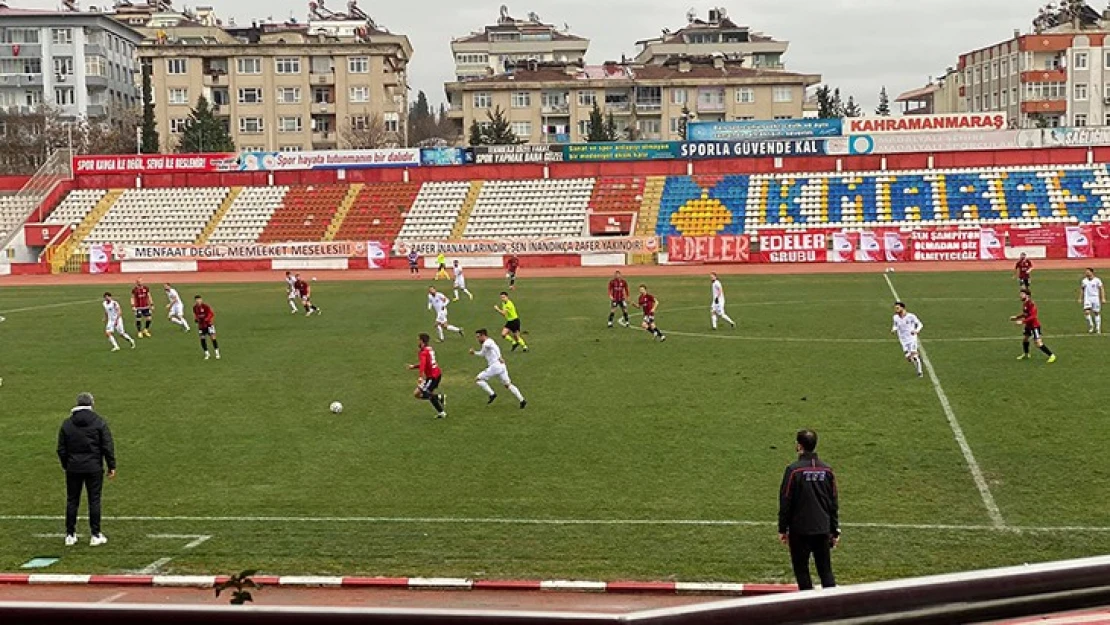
{"points": [[837, 104], [683, 122], [367, 133], [851, 109], [883, 109], [203, 132], [27, 138], [596, 128], [826, 107], [611, 133], [477, 134], [150, 130], [113, 134], [499, 131]]}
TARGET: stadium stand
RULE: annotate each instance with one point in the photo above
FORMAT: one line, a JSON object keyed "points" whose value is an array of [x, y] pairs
{"points": [[76, 205], [530, 208], [435, 211], [698, 206], [613, 195], [377, 212], [305, 214], [248, 215], [12, 213], [171, 215]]}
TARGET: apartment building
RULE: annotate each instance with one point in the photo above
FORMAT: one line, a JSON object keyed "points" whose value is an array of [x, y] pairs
{"points": [[511, 40], [551, 102], [81, 64], [336, 81], [716, 35]]}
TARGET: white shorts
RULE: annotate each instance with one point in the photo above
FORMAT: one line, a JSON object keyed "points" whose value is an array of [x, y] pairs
{"points": [[441, 316], [496, 371], [460, 283], [909, 346], [177, 310], [1092, 305], [717, 309], [115, 326], [293, 294]]}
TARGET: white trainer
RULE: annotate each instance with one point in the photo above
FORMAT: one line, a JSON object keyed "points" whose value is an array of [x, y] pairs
{"points": [[97, 540], [71, 540]]}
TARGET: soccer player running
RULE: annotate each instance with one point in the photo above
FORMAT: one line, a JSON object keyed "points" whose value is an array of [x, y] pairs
{"points": [[430, 376], [304, 291], [511, 266], [441, 264], [495, 368], [113, 320], [907, 326], [1028, 318], [1023, 269], [291, 287], [205, 317], [460, 281], [175, 306], [438, 301], [649, 305], [141, 303], [1092, 294], [618, 298], [511, 332], [717, 307]]}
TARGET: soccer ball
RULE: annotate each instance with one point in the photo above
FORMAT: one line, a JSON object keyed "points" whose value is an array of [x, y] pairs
{"points": [[336, 407]]}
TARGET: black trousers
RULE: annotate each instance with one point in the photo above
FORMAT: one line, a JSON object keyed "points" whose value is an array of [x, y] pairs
{"points": [[801, 547], [91, 482]]}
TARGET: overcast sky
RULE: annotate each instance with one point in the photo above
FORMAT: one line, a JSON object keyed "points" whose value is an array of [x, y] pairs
{"points": [[857, 45]]}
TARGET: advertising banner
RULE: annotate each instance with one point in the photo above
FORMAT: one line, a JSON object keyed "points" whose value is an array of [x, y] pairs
{"points": [[154, 164], [446, 156], [925, 123], [1076, 137], [870, 248], [495, 247], [717, 249], [760, 130], [377, 255], [643, 151], [934, 142], [1079, 242], [333, 159], [99, 255], [246, 251], [517, 154], [843, 247], [793, 246], [608, 224], [1038, 237], [749, 149], [990, 245], [1100, 238], [895, 246], [945, 245]]}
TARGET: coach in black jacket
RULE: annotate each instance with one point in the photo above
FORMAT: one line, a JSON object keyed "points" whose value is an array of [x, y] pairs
{"points": [[809, 513], [84, 447]]}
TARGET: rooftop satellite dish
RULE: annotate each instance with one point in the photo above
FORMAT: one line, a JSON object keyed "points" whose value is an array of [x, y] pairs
{"points": [[534, 17], [504, 12], [691, 15], [722, 12]]}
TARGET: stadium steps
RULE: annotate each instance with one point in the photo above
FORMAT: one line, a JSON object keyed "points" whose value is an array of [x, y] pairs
{"points": [[649, 215], [464, 212], [218, 216], [341, 212], [59, 257]]}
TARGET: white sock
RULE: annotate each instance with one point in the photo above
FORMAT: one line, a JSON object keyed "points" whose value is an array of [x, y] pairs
{"points": [[714, 319], [453, 329], [439, 332], [1098, 322], [468, 293], [456, 294], [516, 392], [482, 384], [1090, 322], [126, 336], [728, 319], [917, 363], [293, 305], [113, 340]]}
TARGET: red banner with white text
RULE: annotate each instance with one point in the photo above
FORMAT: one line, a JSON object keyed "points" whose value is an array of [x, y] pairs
{"points": [[719, 249], [154, 164], [793, 246]]}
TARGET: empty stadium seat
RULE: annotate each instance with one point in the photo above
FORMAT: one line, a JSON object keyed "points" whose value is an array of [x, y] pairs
{"points": [[248, 215], [618, 195], [378, 212], [530, 208], [76, 206], [305, 213], [434, 212], [169, 215]]}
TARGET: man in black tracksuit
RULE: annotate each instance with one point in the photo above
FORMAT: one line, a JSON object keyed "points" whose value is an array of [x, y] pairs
{"points": [[84, 447], [809, 519]]}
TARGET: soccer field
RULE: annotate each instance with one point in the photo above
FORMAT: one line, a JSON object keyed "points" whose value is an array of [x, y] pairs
{"points": [[633, 460]]}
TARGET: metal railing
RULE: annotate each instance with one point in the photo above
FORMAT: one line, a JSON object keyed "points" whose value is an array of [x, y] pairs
{"points": [[57, 168]]}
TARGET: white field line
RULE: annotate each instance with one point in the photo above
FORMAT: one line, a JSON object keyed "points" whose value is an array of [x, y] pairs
{"points": [[48, 306], [157, 565], [154, 567], [976, 472], [369, 520]]}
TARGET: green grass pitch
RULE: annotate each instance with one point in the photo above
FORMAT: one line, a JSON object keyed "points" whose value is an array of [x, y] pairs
{"points": [[626, 448]]}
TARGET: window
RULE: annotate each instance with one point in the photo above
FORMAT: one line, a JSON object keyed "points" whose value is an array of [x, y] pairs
{"points": [[784, 117], [19, 35], [1080, 120], [1004, 102], [31, 66], [358, 65], [676, 125], [248, 65], [784, 94], [221, 97], [250, 95], [322, 95], [392, 122], [359, 94], [1081, 60], [1014, 96], [521, 99], [1005, 71], [472, 59], [360, 123], [250, 125], [649, 128], [482, 100], [252, 148], [288, 95], [177, 125], [290, 124], [94, 65], [178, 96], [1081, 91], [177, 66], [64, 96], [746, 95], [978, 104], [583, 127], [290, 148], [63, 65], [1106, 120], [287, 65], [61, 36], [587, 98], [678, 96], [522, 130]]}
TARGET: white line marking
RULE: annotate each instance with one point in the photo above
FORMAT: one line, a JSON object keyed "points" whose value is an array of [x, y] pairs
{"points": [[197, 539], [110, 599], [46, 306], [155, 566], [976, 473], [724, 335], [59, 535]]}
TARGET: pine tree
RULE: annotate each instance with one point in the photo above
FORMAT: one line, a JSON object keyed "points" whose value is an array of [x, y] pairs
{"points": [[851, 109], [611, 133], [500, 131], [477, 136], [883, 109], [596, 128], [149, 129], [837, 104], [683, 122], [826, 108], [203, 132], [422, 123]]}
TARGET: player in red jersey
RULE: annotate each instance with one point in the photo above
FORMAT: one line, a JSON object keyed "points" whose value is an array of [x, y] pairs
{"points": [[141, 304], [1028, 318], [649, 305], [430, 376], [618, 298], [305, 292], [205, 318], [511, 266], [1023, 268]]}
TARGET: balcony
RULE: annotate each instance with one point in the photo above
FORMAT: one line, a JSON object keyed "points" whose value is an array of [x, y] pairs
{"points": [[711, 107], [215, 79], [323, 78], [649, 107], [618, 107], [324, 137], [556, 109], [1044, 106], [323, 108], [1045, 75]]}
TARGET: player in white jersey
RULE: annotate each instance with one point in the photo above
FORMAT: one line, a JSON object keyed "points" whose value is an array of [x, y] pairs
{"points": [[438, 302], [1092, 294], [717, 306], [290, 281], [495, 368], [907, 326], [460, 281], [176, 307], [113, 320]]}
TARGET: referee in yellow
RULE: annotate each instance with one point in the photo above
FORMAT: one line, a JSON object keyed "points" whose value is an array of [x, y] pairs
{"points": [[511, 331], [441, 271]]}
